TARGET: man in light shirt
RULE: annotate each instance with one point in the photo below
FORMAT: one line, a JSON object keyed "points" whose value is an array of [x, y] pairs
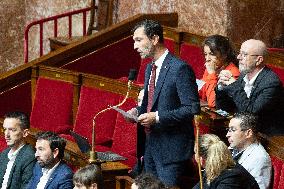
{"points": [[17, 161], [258, 89], [247, 151], [50, 171]]}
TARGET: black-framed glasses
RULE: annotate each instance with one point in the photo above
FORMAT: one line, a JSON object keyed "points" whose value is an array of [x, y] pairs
{"points": [[245, 55]]}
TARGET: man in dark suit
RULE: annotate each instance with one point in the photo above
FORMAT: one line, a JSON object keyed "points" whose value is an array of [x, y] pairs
{"points": [[17, 161], [165, 130], [258, 89], [50, 171]]}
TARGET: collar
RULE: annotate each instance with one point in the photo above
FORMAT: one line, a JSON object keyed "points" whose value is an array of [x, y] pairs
{"points": [[46, 171], [12, 155], [160, 60], [251, 82]]}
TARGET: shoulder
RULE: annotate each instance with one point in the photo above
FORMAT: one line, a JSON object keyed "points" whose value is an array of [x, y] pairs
{"points": [[63, 168], [270, 76]]}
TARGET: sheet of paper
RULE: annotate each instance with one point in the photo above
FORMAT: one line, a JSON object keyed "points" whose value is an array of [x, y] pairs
{"points": [[200, 83], [125, 114]]}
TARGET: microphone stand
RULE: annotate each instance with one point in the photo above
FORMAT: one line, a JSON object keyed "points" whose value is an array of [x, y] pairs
{"points": [[196, 121], [93, 154]]}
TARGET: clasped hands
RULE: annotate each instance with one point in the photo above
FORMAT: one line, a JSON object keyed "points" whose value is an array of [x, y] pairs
{"points": [[226, 78], [146, 119]]}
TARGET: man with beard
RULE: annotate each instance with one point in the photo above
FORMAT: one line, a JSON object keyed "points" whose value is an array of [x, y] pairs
{"points": [[258, 89], [50, 171], [17, 161], [170, 100]]}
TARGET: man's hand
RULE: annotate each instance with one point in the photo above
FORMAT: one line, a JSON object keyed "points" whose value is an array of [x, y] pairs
{"points": [[226, 78], [147, 119], [133, 112]]}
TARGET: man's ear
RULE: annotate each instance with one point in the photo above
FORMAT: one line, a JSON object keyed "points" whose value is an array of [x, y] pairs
{"points": [[155, 39], [55, 152], [259, 60], [94, 186], [249, 133], [25, 133]]}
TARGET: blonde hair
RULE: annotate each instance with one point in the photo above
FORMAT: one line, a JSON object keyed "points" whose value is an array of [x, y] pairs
{"points": [[216, 154]]}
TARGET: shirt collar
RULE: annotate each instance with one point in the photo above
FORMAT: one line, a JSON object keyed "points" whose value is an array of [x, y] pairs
{"points": [[46, 171], [12, 155], [160, 60], [251, 82]]}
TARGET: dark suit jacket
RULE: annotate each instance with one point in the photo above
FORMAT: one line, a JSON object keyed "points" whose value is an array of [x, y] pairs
{"points": [[235, 178], [266, 100], [61, 178], [176, 100], [22, 169]]}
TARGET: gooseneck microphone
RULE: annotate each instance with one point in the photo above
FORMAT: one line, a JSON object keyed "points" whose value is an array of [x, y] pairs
{"points": [[131, 77]]}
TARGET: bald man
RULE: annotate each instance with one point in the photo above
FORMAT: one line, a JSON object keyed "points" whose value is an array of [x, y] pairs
{"points": [[258, 89]]}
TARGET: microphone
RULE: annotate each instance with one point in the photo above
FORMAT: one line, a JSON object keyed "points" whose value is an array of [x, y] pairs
{"points": [[131, 77]]}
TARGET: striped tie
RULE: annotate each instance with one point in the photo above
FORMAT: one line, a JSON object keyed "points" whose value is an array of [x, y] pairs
{"points": [[151, 87]]}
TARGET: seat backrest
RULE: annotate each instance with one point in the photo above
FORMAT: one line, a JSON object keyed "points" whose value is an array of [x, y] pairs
{"points": [[193, 55], [92, 100], [125, 133], [52, 108], [279, 71], [278, 172]]}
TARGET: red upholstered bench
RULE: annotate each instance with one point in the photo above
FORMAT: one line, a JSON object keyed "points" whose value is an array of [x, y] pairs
{"points": [[193, 55], [278, 70], [3, 143], [278, 173], [53, 103]]}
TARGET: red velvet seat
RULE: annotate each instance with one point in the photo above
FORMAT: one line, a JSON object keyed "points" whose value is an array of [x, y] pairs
{"points": [[124, 136], [279, 71], [93, 100], [193, 56], [278, 172], [53, 103], [3, 144]]}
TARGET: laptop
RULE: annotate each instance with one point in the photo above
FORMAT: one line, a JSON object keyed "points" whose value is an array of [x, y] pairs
{"points": [[85, 147]]}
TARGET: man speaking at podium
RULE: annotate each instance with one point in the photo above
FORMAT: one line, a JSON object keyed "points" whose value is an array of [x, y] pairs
{"points": [[165, 130]]}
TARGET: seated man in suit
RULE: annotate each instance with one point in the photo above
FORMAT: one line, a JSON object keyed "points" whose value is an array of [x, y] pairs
{"points": [[247, 151], [17, 161], [258, 89], [50, 171]]}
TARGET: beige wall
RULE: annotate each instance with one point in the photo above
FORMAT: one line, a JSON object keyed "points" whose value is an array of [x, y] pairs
{"points": [[237, 19]]}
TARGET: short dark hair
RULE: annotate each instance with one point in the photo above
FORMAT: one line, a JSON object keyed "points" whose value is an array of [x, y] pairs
{"points": [[247, 121], [148, 181], [151, 28], [222, 45], [21, 116], [89, 175], [55, 141]]}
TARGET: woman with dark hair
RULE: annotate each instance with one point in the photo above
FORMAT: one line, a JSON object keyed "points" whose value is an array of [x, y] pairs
{"points": [[220, 169], [219, 55], [89, 177]]}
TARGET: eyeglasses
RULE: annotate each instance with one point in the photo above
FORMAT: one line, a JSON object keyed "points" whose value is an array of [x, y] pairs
{"points": [[245, 55], [232, 129]]}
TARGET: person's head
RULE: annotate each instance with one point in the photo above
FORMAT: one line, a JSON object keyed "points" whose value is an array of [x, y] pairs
{"points": [[214, 155], [242, 130], [49, 149], [147, 181], [251, 56], [89, 177], [147, 36], [218, 49], [16, 126]]}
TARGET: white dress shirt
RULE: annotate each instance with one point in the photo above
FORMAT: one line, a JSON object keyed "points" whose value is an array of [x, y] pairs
{"points": [[12, 157], [159, 63], [249, 83], [46, 173], [257, 162]]}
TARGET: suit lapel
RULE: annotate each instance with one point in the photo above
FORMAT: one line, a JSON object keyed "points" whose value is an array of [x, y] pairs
{"points": [[52, 176], [161, 78], [258, 80]]}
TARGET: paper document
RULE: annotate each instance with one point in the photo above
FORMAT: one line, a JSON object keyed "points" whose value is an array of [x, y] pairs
{"points": [[200, 83], [125, 114]]}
